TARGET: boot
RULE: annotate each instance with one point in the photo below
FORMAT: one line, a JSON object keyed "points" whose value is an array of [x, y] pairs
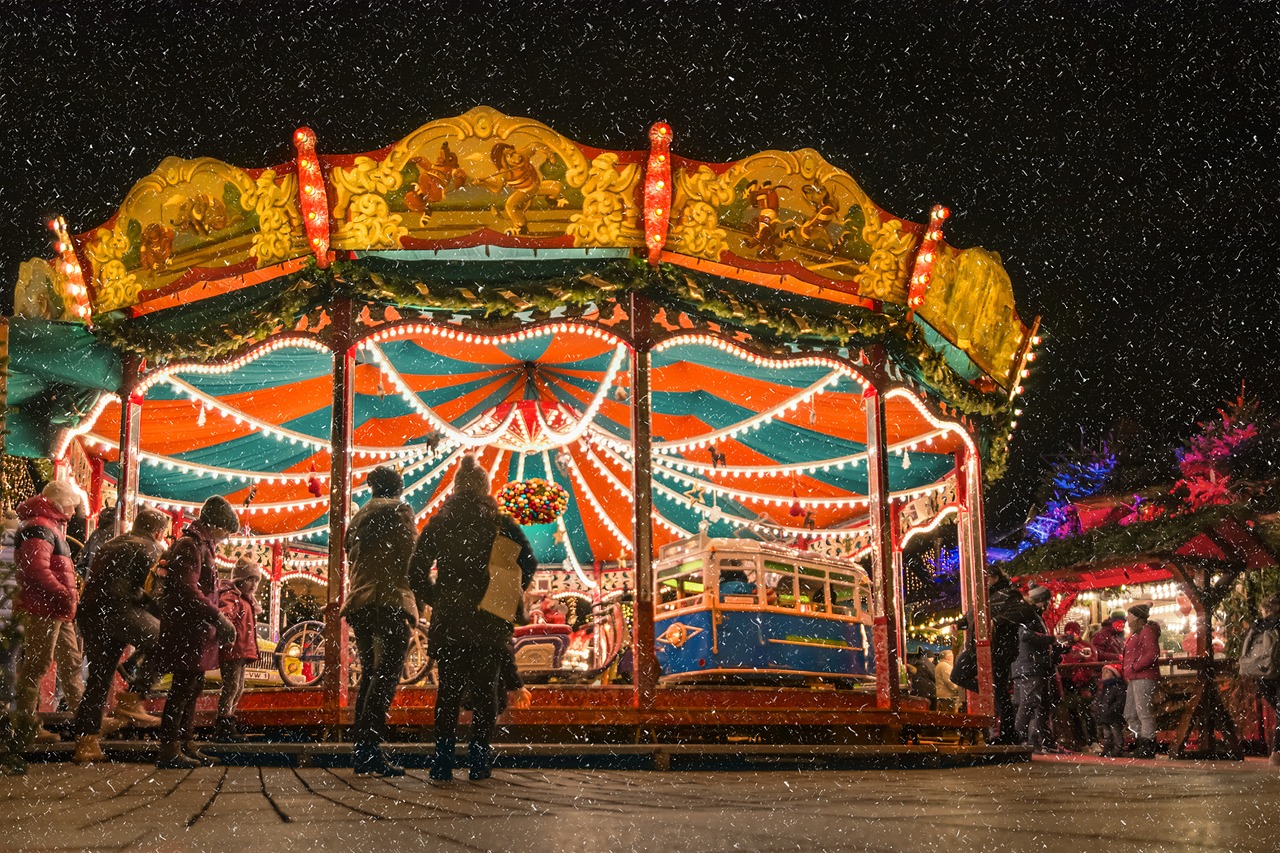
{"points": [[442, 763], [172, 758], [193, 752], [224, 731], [129, 710], [44, 736], [1146, 748], [481, 755], [110, 725], [88, 750], [368, 760], [1274, 760]]}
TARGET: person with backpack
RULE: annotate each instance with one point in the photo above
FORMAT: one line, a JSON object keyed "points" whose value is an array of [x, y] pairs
{"points": [[381, 609], [1009, 611], [483, 564], [191, 628], [1260, 660], [113, 614]]}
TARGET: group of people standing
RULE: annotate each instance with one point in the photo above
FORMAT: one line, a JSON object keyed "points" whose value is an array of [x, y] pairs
{"points": [[471, 565], [1031, 681]]}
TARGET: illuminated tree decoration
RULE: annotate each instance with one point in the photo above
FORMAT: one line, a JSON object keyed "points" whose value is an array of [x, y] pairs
{"points": [[534, 501]]}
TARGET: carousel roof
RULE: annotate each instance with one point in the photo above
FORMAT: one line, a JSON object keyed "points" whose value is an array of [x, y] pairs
{"points": [[490, 259]]}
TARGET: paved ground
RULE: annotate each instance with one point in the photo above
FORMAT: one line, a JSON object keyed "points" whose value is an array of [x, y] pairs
{"points": [[1046, 805]]}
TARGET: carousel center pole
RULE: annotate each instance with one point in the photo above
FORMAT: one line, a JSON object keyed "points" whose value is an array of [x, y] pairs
{"points": [[130, 438], [340, 441], [884, 606], [644, 656]]}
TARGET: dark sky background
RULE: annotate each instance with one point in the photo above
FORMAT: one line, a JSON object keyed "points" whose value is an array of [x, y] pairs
{"points": [[1120, 156]]}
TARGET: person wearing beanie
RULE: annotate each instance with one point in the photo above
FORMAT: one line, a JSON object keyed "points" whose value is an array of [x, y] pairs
{"points": [[113, 614], [102, 533], [1108, 642], [482, 564], [1033, 673], [1108, 712], [191, 628], [381, 610], [46, 605], [1141, 655], [238, 601]]}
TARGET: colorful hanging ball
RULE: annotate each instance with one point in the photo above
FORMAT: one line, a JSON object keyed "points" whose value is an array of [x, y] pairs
{"points": [[534, 501]]}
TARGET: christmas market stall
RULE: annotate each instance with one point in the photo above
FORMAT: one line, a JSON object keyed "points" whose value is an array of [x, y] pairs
{"points": [[650, 355]]}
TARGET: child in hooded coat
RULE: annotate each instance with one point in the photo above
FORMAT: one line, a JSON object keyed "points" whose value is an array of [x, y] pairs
{"points": [[238, 601], [1108, 712]]}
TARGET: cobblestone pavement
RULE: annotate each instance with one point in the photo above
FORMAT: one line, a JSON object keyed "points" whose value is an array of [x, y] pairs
{"points": [[1042, 806]]}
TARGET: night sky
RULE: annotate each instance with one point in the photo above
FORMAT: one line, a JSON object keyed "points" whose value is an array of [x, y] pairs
{"points": [[1119, 156]]}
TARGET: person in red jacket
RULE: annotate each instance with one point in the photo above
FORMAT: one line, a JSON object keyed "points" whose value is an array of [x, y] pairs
{"points": [[1141, 652], [238, 601], [189, 621], [1108, 643], [47, 598]]}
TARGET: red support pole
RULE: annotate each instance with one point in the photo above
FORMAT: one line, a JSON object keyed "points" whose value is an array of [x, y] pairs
{"points": [[643, 652], [95, 487], [277, 572], [657, 191], [884, 606], [340, 441], [130, 437]]}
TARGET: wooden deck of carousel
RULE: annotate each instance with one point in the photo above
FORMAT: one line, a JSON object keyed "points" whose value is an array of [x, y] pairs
{"points": [[614, 715]]}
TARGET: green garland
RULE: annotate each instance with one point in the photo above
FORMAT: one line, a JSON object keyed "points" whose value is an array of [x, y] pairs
{"points": [[1144, 537], [307, 292]]}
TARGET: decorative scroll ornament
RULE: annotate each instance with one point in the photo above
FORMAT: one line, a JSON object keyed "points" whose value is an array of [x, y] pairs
{"points": [[607, 208], [364, 218], [696, 231]]}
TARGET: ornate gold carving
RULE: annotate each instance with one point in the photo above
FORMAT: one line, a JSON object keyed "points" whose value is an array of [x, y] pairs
{"points": [[697, 196], [365, 220], [278, 218], [607, 208], [41, 292], [191, 213], [792, 206]]}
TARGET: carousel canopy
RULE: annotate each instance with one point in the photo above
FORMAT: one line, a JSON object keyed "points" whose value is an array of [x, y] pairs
{"points": [[490, 261]]}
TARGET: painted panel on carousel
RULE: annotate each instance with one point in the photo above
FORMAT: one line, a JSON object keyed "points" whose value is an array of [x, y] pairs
{"points": [[484, 175], [42, 292], [795, 213], [190, 218], [970, 303]]}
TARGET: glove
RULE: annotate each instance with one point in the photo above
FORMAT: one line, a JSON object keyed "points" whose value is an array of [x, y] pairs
{"points": [[226, 631]]}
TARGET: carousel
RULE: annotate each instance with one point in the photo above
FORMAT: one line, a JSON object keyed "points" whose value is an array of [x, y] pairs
{"points": [[719, 396]]}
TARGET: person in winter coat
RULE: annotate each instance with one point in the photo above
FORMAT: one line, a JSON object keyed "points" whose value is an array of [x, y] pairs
{"points": [[1032, 672], [1269, 688], [238, 601], [1108, 643], [948, 695], [191, 627], [101, 535], [1108, 711], [1078, 681], [470, 644], [381, 610], [113, 614], [1009, 611], [1141, 652], [46, 604], [922, 675]]}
